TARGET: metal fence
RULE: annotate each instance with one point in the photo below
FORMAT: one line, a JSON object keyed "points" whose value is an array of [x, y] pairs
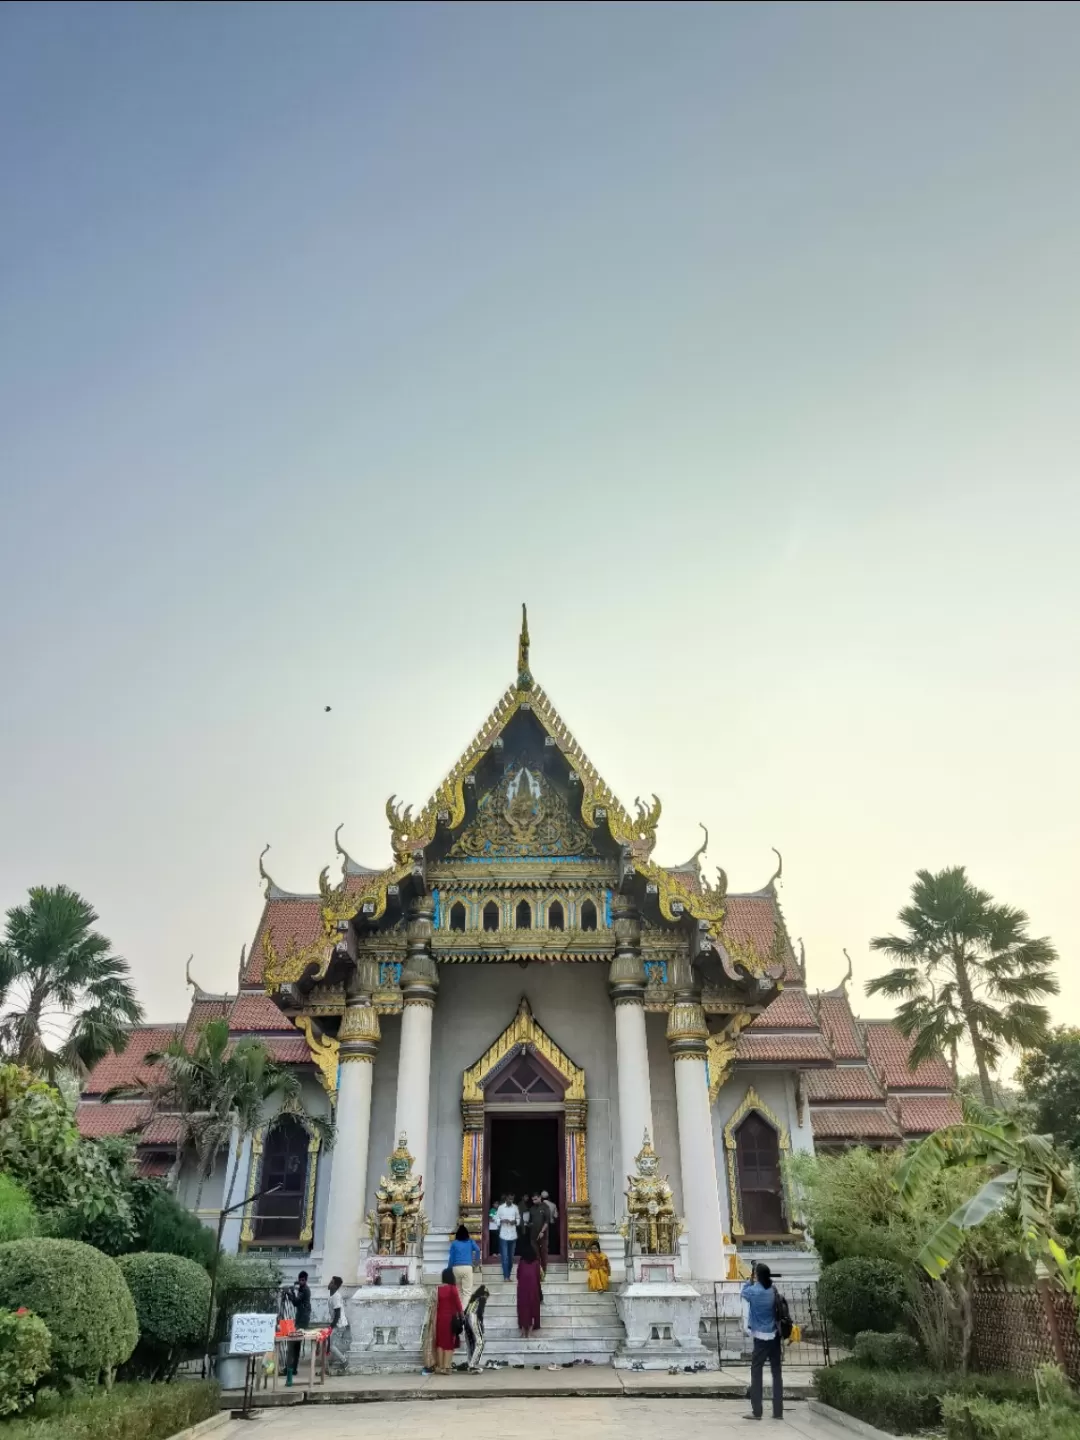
{"points": [[724, 1329]]}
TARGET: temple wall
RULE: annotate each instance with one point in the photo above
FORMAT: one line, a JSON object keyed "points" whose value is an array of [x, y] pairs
{"points": [[665, 1115], [475, 1004], [384, 1107]]}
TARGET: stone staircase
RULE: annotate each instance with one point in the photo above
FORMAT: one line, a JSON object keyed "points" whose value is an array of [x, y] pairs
{"points": [[575, 1323]]}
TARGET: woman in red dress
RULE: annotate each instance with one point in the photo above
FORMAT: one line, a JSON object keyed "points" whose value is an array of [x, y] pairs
{"points": [[528, 1286], [447, 1335]]}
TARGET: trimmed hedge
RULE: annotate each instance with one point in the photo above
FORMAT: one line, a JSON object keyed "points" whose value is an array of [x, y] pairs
{"points": [[126, 1412], [172, 1302], [897, 1351], [904, 1402], [82, 1297], [861, 1294], [25, 1347]]}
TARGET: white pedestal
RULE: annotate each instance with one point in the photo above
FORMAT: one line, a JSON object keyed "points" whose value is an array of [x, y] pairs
{"points": [[662, 1323], [387, 1326]]}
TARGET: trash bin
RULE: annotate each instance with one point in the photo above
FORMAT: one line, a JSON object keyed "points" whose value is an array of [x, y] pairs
{"points": [[231, 1369]]}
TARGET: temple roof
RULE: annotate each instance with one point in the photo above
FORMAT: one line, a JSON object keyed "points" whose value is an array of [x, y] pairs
{"points": [[889, 1052]]}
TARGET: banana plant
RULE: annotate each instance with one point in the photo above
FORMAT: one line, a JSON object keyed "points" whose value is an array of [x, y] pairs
{"points": [[1030, 1176]]}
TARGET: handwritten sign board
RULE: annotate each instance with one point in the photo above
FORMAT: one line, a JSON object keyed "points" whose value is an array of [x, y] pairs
{"points": [[252, 1334]]}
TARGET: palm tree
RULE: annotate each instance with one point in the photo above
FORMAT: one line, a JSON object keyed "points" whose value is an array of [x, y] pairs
{"points": [[65, 999], [966, 969]]}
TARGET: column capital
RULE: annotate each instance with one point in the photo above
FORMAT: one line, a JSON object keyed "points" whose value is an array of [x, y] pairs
{"points": [[626, 978], [687, 1031], [419, 975], [359, 1034]]}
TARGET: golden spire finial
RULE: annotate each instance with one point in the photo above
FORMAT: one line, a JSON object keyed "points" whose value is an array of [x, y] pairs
{"points": [[524, 677]]}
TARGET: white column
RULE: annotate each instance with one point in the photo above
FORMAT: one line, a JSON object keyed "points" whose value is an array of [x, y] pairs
{"points": [[635, 1091], [687, 1034], [414, 1078], [359, 1036]]}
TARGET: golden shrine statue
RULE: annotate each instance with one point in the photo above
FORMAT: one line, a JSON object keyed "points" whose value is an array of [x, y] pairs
{"points": [[651, 1219], [398, 1221]]}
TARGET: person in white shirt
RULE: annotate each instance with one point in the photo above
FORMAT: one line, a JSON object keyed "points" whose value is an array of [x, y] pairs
{"points": [[340, 1339], [509, 1218]]}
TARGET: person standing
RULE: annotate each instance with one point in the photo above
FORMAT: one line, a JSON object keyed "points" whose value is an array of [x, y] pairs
{"points": [[463, 1251], [528, 1288], [509, 1218], [493, 1230], [553, 1215], [763, 1323], [474, 1326], [537, 1226], [448, 1322], [300, 1295], [340, 1339]]}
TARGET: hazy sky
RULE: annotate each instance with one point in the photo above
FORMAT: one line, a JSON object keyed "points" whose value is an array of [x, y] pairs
{"points": [[741, 341]]}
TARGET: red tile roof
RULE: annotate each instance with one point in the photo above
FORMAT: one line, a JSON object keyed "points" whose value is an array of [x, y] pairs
{"points": [[782, 1049], [838, 1023], [129, 1066], [162, 1130], [119, 1117], [297, 920], [791, 1010], [922, 1114], [257, 1012], [203, 1011], [751, 920], [287, 1050], [846, 1082], [888, 1051], [853, 1123]]}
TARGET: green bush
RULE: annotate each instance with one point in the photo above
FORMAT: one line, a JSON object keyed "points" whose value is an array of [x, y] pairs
{"points": [[897, 1351], [25, 1347], [82, 1297], [862, 1294], [166, 1228], [18, 1218], [172, 1301], [905, 1402], [126, 1412], [971, 1417]]}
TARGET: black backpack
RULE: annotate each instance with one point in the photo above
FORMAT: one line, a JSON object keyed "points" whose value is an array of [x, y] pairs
{"points": [[783, 1315]]}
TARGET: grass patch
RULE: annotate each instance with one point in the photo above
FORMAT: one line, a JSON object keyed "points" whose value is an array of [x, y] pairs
{"points": [[126, 1412]]}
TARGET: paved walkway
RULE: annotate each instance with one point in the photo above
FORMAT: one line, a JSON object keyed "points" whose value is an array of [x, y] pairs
{"points": [[590, 1418]]}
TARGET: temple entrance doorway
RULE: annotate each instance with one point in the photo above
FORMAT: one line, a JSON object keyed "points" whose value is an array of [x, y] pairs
{"points": [[525, 1158]]}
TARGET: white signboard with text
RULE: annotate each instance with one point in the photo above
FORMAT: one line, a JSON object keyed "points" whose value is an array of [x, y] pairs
{"points": [[252, 1334]]}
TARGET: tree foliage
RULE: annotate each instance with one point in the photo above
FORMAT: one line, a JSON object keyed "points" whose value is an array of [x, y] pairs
{"points": [[66, 999], [966, 969], [861, 1294], [81, 1296], [18, 1218], [1049, 1078]]}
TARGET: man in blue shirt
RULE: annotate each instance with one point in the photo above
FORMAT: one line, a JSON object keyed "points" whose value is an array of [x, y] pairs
{"points": [[463, 1251], [763, 1325]]}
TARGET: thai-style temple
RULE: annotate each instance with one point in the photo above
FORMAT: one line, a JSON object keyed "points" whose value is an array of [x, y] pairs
{"points": [[522, 992]]}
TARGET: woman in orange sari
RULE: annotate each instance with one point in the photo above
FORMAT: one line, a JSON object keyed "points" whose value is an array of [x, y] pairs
{"points": [[599, 1267]]}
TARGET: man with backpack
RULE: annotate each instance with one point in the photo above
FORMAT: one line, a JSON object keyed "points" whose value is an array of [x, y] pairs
{"points": [[769, 1324]]}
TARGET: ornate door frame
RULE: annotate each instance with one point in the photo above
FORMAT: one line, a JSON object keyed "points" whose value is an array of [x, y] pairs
{"points": [[524, 1034]]}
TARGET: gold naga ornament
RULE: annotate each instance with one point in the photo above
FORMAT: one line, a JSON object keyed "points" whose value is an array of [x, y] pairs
{"points": [[651, 1220], [398, 1220]]}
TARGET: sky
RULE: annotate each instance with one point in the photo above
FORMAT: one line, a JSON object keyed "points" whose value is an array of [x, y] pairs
{"points": [[740, 341]]}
